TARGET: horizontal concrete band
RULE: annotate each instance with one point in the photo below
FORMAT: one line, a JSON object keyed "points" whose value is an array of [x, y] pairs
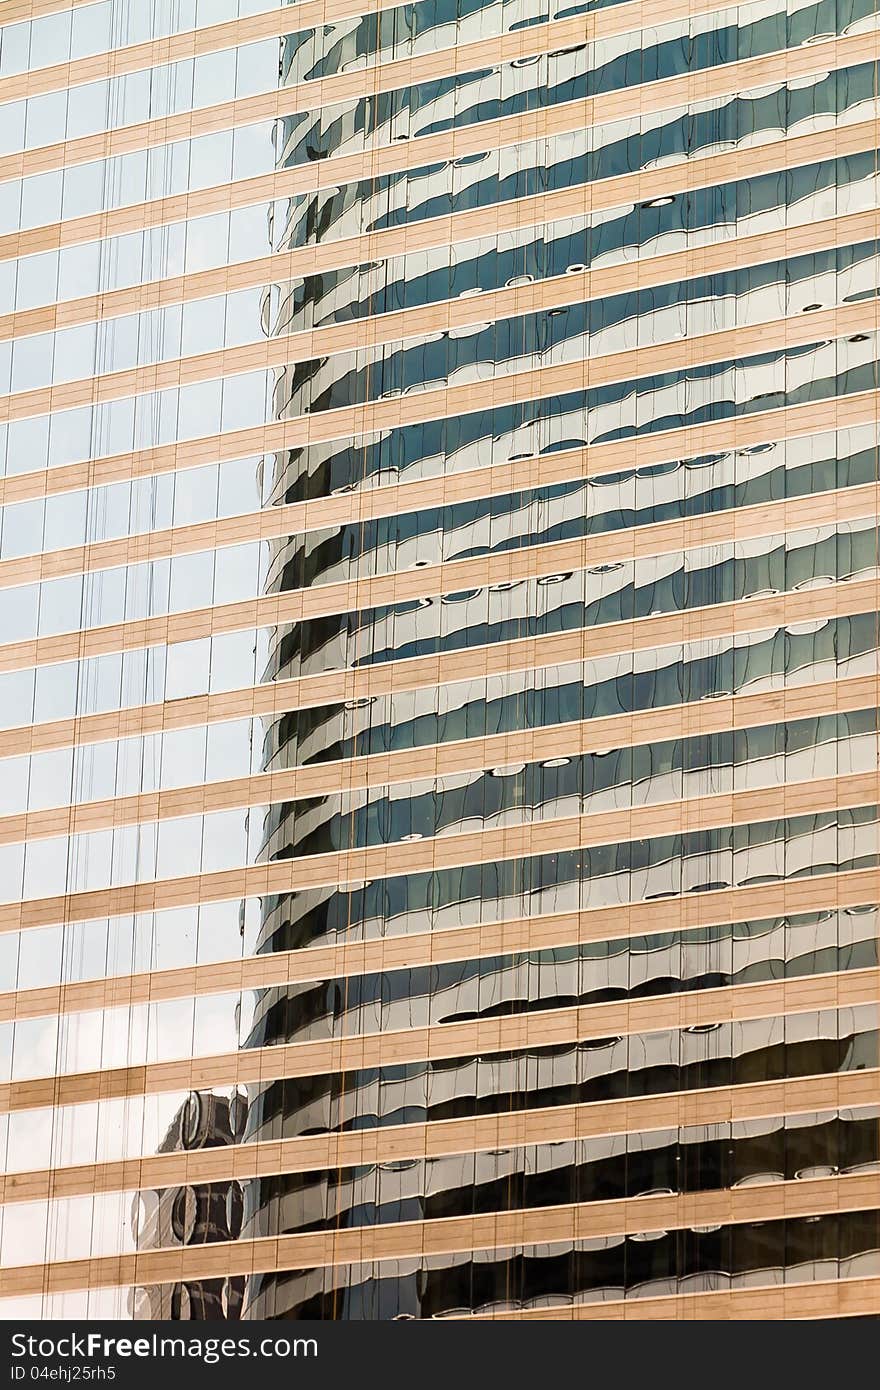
{"points": [[276, 697], [836, 1298], [541, 932], [848, 1297], [265, 524], [604, 368], [536, 210], [659, 539], [318, 13], [780, 334], [528, 562], [439, 1138], [788, 422], [481, 1038], [525, 839], [444, 315], [293, 606], [312, 95], [498, 1231], [278, 22], [783, 152], [517, 388], [376, 159], [272, 699], [450, 759], [725, 620]]}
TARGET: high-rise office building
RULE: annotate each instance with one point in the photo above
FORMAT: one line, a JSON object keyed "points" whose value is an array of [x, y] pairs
{"points": [[439, 635]]}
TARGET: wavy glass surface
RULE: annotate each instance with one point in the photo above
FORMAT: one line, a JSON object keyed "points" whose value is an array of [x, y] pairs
{"points": [[439, 632]]}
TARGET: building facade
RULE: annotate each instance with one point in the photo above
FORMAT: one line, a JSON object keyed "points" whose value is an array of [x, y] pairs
{"points": [[439, 633]]}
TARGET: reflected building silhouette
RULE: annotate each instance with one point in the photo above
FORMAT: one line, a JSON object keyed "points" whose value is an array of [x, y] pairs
{"points": [[193, 1215]]}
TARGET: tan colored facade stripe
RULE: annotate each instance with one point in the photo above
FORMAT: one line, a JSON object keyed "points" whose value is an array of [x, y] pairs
{"points": [[550, 1125], [311, 12], [318, 11], [554, 931], [447, 1041], [520, 840], [430, 761], [18, 10], [499, 390], [444, 316], [756, 615], [351, 775], [527, 562], [857, 887], [279, 21], [271, 700], [297, 605], [457, 227], [285, 521], [489, 1231], [376, 160], [834, 1298], [839, 412], [308, 14], [272, 523], [376, 77], [782, 153], [416, 322], [441, 315]]}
